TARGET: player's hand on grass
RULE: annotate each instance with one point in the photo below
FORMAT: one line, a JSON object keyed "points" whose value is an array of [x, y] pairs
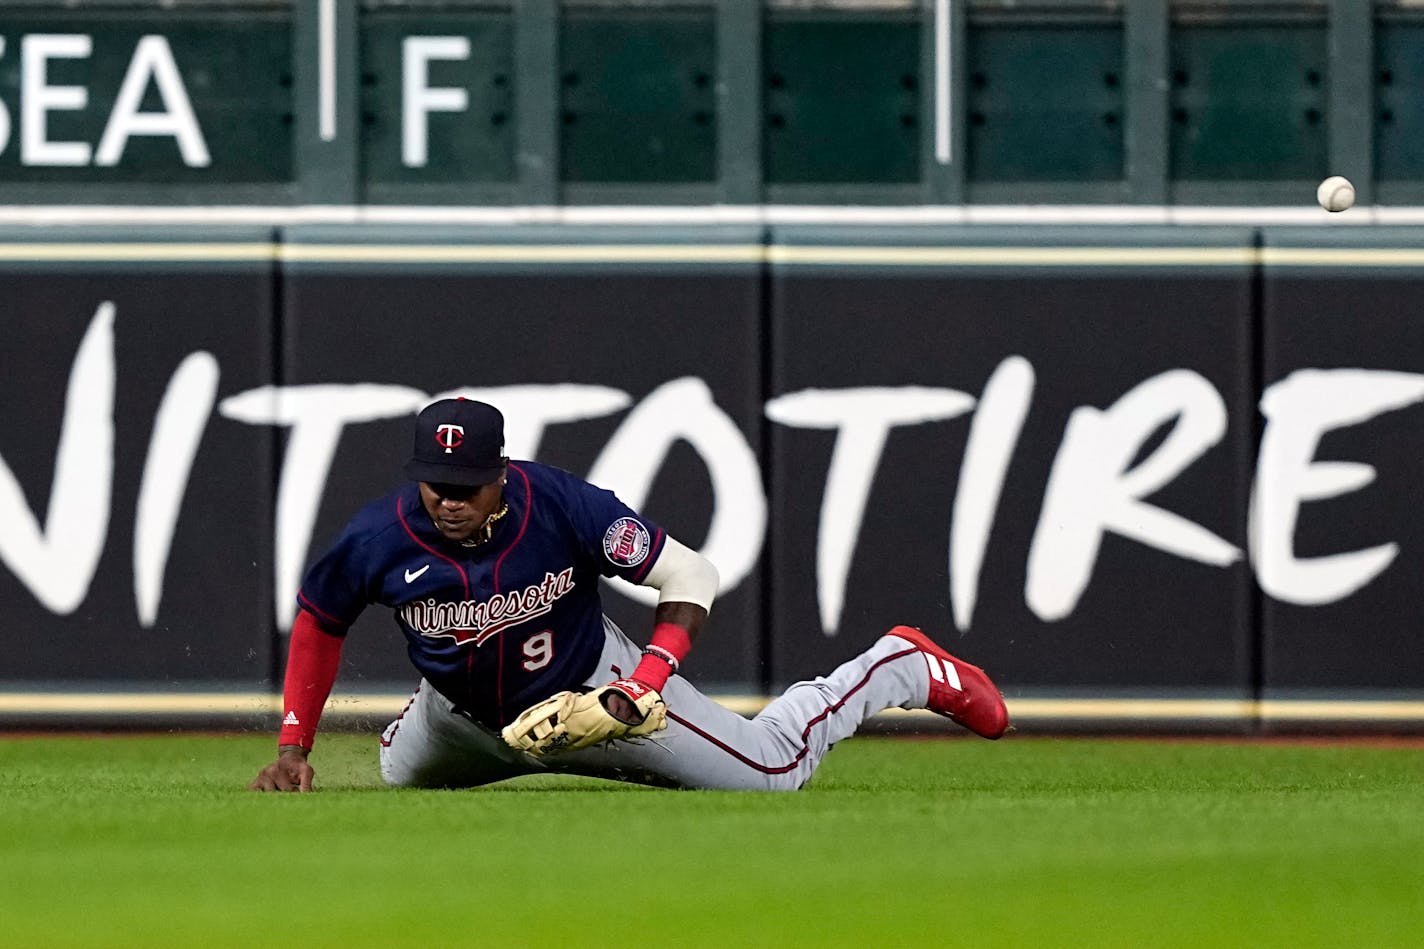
{"points": [[290, 772]]}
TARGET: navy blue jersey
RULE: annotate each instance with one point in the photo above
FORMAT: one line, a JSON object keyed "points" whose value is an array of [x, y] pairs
{"points": [[500, 626]]}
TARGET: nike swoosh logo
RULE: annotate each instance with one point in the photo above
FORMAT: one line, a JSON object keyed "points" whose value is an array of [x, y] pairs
{"points": [[412, 575]]}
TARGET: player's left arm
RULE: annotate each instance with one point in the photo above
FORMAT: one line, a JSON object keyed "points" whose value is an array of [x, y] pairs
{"points": [[687, 584], [633, 706]]}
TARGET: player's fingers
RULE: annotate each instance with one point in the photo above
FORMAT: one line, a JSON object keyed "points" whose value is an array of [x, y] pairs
{"points": [[622, 708], [304, 781], [263, 782], [283, 779]]}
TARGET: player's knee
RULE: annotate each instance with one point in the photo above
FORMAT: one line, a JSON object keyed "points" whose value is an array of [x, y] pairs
{"points": [[393, 773], [415, 778]]}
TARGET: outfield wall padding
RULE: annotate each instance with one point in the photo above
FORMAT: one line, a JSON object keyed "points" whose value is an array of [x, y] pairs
{"points": [[1343, 352], [577, 354], [135, 518], [1103, 462], [981, 355]]}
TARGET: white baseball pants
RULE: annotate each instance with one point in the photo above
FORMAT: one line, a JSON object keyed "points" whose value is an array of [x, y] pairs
{"points": [[704, 746]]}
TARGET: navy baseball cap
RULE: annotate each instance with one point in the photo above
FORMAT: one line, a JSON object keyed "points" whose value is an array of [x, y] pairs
{"points": [[458, 441]]}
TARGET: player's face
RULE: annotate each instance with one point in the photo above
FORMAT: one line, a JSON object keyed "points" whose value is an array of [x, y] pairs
{"points": [[459, 511]]}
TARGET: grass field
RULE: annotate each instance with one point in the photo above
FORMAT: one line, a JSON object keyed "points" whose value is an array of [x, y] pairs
{"points": [[151, 841]]}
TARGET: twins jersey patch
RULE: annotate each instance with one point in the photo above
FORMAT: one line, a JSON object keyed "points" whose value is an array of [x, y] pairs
{"points": [[626, 542]]}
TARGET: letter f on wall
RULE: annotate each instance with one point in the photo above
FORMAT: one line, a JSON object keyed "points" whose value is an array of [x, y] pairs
{"points": [[57, 562]]}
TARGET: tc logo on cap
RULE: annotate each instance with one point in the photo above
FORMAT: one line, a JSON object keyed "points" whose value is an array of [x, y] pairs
{"points": [[458, 441], [449, 436]]}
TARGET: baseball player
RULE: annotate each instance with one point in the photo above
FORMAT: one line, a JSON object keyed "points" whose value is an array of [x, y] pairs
{"points": [[492, 568]]}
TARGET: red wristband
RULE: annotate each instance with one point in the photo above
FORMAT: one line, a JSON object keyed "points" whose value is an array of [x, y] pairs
{"points": [[665, 652]]}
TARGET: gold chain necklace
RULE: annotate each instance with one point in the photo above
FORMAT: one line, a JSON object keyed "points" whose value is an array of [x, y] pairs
{"points": [[484, 531]]}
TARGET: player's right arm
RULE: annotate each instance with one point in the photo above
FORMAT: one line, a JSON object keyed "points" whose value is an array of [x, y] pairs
{"points": [[332, 595], [313, 656]]}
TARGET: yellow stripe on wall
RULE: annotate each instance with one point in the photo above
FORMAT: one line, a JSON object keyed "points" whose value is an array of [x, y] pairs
{"points": [[1342, 256], [522, 253], [124, 252], [1016, 256]]}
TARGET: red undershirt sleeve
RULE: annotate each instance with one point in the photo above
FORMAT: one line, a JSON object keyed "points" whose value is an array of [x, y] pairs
{"points": [[313, 656]]}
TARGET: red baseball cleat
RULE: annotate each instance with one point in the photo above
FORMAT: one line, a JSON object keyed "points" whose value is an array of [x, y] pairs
{"points": [[959, 691]]}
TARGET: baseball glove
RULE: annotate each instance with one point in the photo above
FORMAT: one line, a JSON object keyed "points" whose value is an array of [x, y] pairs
{"points": [[568, 721]]}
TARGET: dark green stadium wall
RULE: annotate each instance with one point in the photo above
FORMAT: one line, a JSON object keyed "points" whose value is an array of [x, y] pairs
{"points": [[722, 101]]}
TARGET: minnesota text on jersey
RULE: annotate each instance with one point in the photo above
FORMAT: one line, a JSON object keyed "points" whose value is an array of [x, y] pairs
{"points": [[477, 621]]}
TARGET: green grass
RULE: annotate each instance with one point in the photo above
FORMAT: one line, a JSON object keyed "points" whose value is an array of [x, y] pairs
{"points": [[151, 841]]}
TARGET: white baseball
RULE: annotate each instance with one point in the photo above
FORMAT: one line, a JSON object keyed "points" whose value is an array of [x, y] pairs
{"points": [[1335, 193]]}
